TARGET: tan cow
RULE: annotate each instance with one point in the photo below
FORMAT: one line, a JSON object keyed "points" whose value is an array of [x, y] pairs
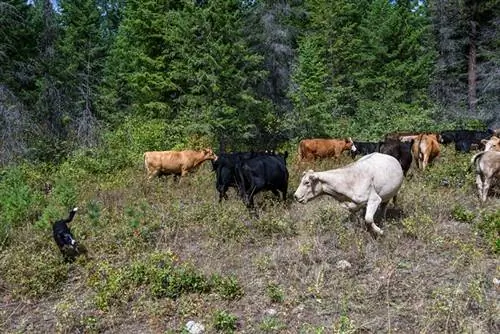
{"points": [[425, 149], [310, 149], [493, 144], [487, 166], [175, 162]]}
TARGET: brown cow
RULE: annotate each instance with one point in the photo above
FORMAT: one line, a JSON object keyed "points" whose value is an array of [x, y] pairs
{"points": [[493, 144], [310, 149], [487, 166], [425, 149], [407, 137], [175, 162], [402, 136]]}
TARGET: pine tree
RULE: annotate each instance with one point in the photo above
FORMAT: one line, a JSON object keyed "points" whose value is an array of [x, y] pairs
{"points": [[17, 47], [466, 82], [82, 49], [188, 63]]}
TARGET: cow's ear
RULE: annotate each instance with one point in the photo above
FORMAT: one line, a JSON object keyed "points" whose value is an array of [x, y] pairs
{"points": [[313, 178]]}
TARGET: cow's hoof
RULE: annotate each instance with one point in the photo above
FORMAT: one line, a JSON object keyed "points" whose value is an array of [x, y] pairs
{"points": [[377, 230]]}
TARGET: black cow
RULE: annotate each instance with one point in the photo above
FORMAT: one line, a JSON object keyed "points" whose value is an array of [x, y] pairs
{"points": [[266, 172], [224, 168], [465, 139], [64, 239], [399, 150], [364, 148]]}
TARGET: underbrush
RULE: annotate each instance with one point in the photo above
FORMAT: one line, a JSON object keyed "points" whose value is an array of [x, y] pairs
{"points": [[162, 253]]}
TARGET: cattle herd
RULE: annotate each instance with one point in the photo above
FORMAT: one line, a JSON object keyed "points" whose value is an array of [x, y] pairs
{"points": [[367, 183]]}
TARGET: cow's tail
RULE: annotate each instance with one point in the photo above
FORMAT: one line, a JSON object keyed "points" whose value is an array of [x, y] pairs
{"points": [[475, 162]]}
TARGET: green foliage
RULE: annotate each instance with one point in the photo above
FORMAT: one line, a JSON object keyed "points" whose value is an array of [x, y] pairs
{"points": [[271, 325], [225, 322], [489, 227], [462, 214], [374, 119], [227, 287], [18, 201], [163, 276], [456, 174], [32, 269], [185, 66], [311, 101], [419, 227], [124, 147], [275, 293]]}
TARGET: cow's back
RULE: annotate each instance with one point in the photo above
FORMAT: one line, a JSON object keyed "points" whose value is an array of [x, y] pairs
{"points": [[383, 171], [487, 163], [311, 148], [320, 148], [164, 161]]}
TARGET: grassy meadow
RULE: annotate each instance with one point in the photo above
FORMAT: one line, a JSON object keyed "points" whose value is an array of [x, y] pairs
{"points": [[161, 254]]}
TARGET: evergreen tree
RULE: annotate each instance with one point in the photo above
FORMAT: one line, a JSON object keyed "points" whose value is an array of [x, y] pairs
{"points": [[309, 92], [188, 63], [17, 48], [82, 49], [271, 28], [47, 99], [466, 82]]}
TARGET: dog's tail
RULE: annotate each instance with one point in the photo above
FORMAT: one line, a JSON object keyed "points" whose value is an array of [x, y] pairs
{"points": [[72, 214]]}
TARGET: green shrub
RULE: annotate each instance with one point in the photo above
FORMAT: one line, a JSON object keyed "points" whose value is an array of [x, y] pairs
{"points": [[225, 321], [227, 287], [275, 293], [489, 227], [32, 272], [271, 325], [19, 202], [462, 214], [162, 276]]}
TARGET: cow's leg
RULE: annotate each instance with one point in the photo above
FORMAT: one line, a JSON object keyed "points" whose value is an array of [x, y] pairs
{"points": [[152, 174], [479, 183], [486, 188], [374, 201], [284, 192], [425, 161], [383, 209]]}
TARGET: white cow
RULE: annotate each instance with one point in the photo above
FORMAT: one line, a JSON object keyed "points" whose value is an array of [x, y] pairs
{"points": [[372, 180], [487, 166]]}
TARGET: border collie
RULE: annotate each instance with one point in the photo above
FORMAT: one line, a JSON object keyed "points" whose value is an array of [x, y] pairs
{"points": [[64, 238]]}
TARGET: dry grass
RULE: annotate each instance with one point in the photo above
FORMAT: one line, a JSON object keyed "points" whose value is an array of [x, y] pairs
{"points": [[433, 271]]}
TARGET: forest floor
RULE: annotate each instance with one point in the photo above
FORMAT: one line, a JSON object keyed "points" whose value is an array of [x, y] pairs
{"points": [[161, 254]]}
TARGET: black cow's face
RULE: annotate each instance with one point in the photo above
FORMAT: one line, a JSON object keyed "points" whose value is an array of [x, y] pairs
{"points": [[446, 138]]}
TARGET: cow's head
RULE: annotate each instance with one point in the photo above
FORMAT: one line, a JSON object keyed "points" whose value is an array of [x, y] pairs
{"points": [[351, 144], [446, 137], [493, 144], [209, 154], [309, 187]]}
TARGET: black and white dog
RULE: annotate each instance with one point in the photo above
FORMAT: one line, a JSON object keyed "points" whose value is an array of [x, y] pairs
{"points": [[69, 247]]}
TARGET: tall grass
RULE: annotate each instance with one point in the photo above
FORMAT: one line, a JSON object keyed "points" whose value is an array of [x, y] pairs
{"points": [[163, 253]]}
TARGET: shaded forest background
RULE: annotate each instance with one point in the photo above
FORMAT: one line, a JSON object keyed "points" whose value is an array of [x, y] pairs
{"points": [[103, 80]]}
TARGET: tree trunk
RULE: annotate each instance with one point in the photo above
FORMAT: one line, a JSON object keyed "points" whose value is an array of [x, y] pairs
{"points": [[472, 67]]}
